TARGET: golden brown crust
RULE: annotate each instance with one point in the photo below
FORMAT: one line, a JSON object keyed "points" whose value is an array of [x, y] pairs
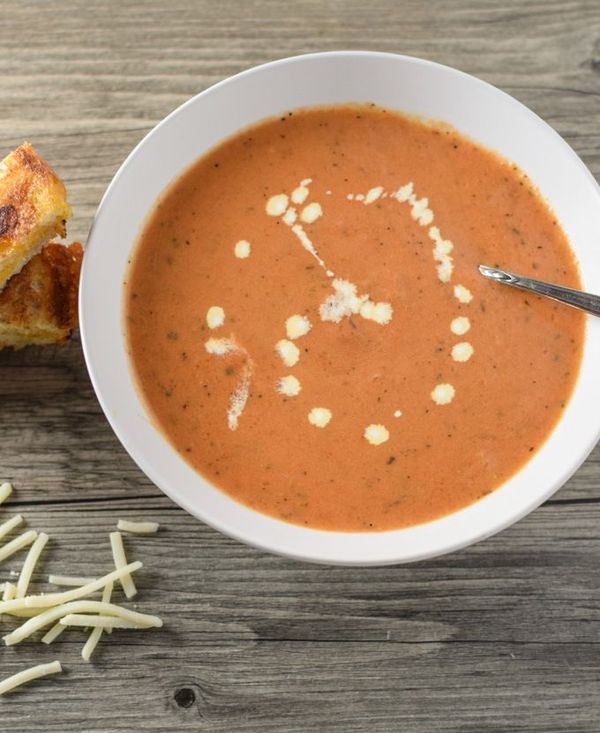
{"points": [[39, 304], [33, 208]]}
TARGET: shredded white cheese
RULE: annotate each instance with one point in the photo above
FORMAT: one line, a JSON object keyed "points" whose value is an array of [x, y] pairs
{"points": [[376, 434], [29, 565], [63, 609], [137, 527], [297, 326], [242, 249], [101, 622], [118, 551], [94, 637], [52, 599], [319, 417], [17, 544], [27, 675], [443, 394], [215, 317], [10, 524], [68, 580], [53, 614], [288, 351], [106, 596], [26, 612], [54, 632], [5, 491], [398, 413]]}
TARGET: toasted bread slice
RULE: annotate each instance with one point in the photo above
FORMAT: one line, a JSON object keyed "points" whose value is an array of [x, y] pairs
{"points": [[33, 209], [39, 304]]}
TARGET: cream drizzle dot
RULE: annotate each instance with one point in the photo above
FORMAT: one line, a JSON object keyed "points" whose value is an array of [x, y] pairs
{"points": [[311, 213], [215, 317], [288, 351], [343, 303], [319, 417], [462, 294], [404, 192], [376, 434], [289, 386], [423, 215], [239, 397], [242, 249], [219, 347], [290, 216], [420, 212], [297, 326], [306, 242], [277, 204], [300, 194], [372, 195], [441, 254], [462, 351], [379, 312], [346, 300], [460, 325], [443, 394]]}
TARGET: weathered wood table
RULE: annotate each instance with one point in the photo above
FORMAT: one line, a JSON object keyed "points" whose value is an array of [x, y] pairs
{"points": [[503, 636]]}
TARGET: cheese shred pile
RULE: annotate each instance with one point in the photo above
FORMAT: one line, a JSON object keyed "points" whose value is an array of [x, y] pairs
{"points": [[54, 612]]}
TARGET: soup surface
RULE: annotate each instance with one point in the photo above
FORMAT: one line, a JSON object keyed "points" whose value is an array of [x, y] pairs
{"points": [[308, 328]]}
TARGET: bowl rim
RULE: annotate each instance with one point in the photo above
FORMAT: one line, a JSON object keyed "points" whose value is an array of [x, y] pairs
{"points": [[322, 556]]}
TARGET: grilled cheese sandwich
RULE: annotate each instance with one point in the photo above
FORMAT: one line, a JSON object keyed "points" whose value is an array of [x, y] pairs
{"points": [[39, 304], [33, 209]]}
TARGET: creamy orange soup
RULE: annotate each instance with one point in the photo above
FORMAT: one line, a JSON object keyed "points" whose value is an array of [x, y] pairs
{"points": [[308, 328]]}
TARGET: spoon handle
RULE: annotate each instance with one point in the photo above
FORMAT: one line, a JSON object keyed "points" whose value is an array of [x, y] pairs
{"points": [[576, 298]]}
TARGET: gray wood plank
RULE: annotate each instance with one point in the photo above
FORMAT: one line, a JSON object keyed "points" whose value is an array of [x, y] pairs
{"points": [[502, 636]]}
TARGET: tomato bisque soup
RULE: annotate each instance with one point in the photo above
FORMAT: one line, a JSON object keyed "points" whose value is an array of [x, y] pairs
{"points": [[307, 326]]}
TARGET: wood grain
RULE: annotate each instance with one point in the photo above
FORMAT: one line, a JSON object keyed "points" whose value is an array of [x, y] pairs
{"points": [[500, 637]]}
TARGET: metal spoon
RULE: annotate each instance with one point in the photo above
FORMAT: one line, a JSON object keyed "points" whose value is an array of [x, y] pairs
{"points": [[576, 298]]}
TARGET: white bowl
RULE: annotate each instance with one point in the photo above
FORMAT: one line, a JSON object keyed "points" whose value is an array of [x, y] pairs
{"points": [[411, 85]]}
